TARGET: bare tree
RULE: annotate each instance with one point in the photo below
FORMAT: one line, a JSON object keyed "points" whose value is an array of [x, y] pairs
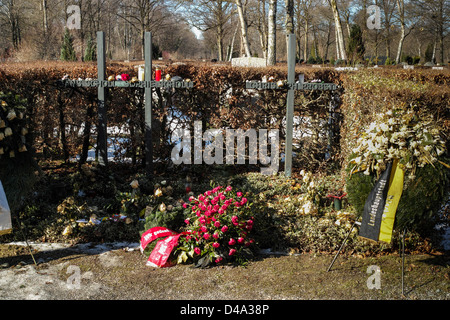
{"points": [[213, 15], [289, 23], [272, 34], [436, 20], [244, 26], [11, 13], [340, 44], [403, 25]]}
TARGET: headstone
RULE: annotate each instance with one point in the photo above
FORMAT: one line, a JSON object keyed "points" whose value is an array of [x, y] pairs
{"points": [[249, 62], [428, 64], [346, 69], [5, 213], [408, 67], [437, 68]]}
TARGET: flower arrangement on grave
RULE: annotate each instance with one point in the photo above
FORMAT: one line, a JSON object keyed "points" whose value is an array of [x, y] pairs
{"points": [[414, 139], [217, 230], [13, 126], [17, 166]]}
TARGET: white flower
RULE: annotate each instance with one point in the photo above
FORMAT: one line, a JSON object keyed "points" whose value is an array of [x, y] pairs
{"points": [[384, 127], [162, 207], [11, 115], [158, 192], [134, 184]]}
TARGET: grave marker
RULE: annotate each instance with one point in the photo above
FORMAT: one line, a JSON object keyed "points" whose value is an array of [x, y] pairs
{"points": [[102, 84], [291, 87], [249, 62]]}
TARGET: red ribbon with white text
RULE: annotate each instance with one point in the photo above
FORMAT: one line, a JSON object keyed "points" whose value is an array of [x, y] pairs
{"points": [[160, 254]]}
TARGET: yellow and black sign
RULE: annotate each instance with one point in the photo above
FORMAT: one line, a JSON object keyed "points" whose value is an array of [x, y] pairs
{"points": [[381, 205]]}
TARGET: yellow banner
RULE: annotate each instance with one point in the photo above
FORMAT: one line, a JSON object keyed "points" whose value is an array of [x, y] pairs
{"points": [[393, 197]]}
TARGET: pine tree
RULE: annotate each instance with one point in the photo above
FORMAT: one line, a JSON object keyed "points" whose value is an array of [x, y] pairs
{"points": [[355, 48], [90, 53], [67, 50]]}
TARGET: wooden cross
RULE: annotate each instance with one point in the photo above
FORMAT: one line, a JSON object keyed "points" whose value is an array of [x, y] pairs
{"points": [[102, 84], [291, 87]]}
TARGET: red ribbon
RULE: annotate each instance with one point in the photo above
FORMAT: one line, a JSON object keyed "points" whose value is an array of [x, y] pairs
{"points": [[160, 254]]}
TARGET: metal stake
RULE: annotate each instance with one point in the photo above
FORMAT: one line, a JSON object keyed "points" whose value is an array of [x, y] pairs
{"points": [[342, 245], [403, 263]]}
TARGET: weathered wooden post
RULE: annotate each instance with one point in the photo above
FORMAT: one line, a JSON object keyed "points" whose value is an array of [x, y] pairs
{"points": [[102, 127], [148, 104]]}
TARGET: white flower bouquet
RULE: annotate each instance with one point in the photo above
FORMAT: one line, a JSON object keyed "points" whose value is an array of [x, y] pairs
{"points": [[411, 137]]}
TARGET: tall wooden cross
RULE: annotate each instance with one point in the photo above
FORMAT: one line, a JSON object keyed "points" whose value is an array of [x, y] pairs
{"points": [[291, 87], [102, 84]]}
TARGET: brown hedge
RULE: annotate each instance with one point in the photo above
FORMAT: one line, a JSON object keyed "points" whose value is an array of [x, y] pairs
{"points": [[219, 100]]}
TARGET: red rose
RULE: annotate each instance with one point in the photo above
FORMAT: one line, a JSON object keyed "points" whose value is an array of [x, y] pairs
{"points": [[125, 77]]}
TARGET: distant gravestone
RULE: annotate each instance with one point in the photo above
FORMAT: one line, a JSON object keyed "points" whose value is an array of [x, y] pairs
{"points": [[249, 62], [346, 69], [408, 67], [437, 68]]}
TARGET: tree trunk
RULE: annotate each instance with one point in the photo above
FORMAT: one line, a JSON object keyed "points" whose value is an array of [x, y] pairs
{"points": [[243, 28], [289, 19], [262, 26], [340, 36], [220, 42], [86, 134], [271, 43], [401, 12], [45, 16], [400, 44], [305, 48], [230, 53]]}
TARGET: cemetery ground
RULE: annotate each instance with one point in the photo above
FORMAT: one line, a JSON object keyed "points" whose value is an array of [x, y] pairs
{"points": [[122, 275], [287, 268]]}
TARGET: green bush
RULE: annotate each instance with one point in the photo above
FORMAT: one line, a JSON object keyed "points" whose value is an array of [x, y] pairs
{"points": [[420, 201]]}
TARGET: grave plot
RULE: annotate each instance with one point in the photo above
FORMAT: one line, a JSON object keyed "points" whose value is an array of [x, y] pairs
{"points": [[292, 86], [104, 84]]}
